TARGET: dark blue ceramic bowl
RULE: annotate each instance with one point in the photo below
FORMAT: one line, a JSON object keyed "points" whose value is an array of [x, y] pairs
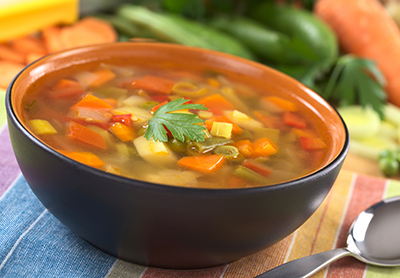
{"points": [[166, 226]]}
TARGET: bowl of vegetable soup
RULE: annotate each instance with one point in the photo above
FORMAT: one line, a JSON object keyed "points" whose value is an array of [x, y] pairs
{"points": [[172, 156]]}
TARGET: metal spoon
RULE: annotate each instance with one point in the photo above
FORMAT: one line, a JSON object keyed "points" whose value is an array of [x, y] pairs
{"points": [[373, 238]]}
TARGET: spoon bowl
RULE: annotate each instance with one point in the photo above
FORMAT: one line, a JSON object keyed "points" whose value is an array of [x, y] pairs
{"points": [[373, 238]]}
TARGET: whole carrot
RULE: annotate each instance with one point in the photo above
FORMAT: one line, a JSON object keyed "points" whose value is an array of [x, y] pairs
{"points": [[365, 29]]}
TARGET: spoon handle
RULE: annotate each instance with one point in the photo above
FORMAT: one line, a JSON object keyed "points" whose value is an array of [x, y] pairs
{"points": [[305, 267]]}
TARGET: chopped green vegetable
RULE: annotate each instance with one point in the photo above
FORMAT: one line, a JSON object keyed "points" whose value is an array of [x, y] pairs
{"points": [[230, 152], [180, 125], [209, 144], [249, 175]]}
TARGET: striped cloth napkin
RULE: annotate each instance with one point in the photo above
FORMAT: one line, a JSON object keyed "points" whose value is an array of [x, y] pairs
{"points": [[33, 243]]}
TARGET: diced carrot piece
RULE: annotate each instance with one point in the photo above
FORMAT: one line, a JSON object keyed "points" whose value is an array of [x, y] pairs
{"points": [[283, 104], [123, 132], [264, 147], [91, 101], [32, 57], [51, 39], [217, 102], [294, 120], [245, 147], [257, 167], [154, 84], [104, 75], [66, 88], [85, 116], [87, 31], [208, 163], [155, 108], [9, 54], [111, 101], [235, 128], [86, 158], [85, 135], [311, 144], [28, 44], [8, 70]]}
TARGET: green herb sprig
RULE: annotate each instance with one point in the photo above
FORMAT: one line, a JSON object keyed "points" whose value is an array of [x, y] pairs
{"points": [[180, 125], [356, 80]]}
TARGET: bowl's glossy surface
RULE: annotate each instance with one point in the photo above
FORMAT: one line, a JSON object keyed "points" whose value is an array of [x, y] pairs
{"points": [[167, 226]]}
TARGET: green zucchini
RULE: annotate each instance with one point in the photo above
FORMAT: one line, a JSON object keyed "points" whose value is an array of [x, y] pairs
{"points": [[177, 29], [264, 42], [301, 26]]}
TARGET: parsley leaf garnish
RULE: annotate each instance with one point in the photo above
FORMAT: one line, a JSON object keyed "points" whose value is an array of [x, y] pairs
{"points": [[356, 80], [180, 125]]}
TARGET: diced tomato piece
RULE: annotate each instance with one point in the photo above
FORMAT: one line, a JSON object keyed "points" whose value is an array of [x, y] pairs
{"points": [[125, 119], [311, 144], [294, 120], [159, 98], [154, 84], [256, 167]]}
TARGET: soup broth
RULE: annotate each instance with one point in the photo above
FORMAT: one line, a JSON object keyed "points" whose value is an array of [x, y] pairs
{"points": [[101, 116]]}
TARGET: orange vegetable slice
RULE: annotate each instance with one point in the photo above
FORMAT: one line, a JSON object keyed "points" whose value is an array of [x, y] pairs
{"points": [[91, 101], [85, 135], [208, 163], [86, 158]]}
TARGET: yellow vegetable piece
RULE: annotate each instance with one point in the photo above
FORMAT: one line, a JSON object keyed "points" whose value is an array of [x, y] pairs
{"points": [[213, 82], [240, 116], [243, 120], [156, 153], [112, 169], [221, 129], [42, 127], [205, 114], [123, 132], [188, 89]]}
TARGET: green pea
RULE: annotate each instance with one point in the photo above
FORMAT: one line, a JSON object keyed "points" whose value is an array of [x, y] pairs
{"points": [[388, 154], [389, 166]]}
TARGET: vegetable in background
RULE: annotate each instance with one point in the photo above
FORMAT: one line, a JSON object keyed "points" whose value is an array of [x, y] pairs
{"points": [[174, 28], [303, 28], [365, 29], [356, 80], [389, 162], [268, 44]]}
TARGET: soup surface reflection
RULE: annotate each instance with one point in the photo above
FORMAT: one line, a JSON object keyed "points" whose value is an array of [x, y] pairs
{"points": [[176, 128]]}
